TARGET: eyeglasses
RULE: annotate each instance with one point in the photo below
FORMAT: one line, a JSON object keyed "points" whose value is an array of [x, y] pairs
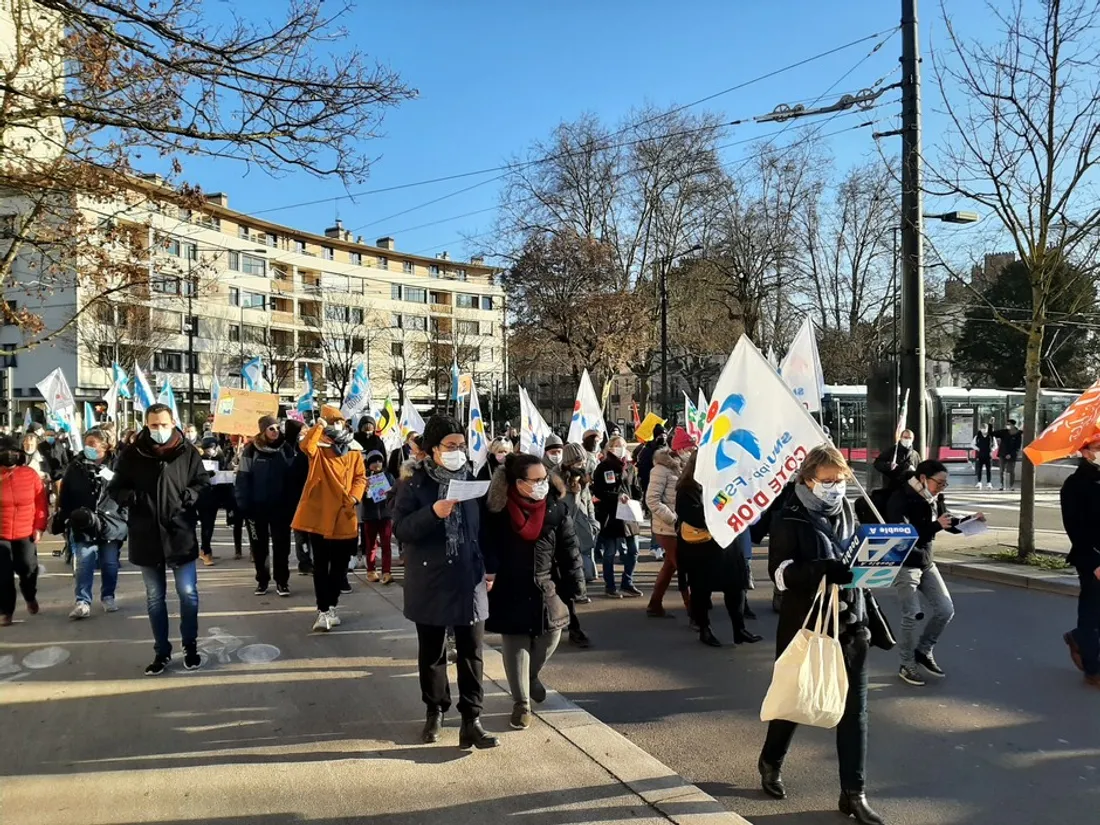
{"points": [[273, 428], [939, 482], [452, 448]]}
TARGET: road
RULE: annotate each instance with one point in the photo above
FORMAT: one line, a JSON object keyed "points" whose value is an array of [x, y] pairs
{"points": [[1011, 737]]}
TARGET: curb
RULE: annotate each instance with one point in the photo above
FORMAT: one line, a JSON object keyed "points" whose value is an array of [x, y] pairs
{"points": [[664, 790], [998, 574]]}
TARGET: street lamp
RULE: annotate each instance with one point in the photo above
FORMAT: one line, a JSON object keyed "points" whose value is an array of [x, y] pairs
{"points": [[191, 322], [666, 262]]}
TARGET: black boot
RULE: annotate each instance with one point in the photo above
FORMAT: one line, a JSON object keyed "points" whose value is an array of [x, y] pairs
{"points": [[472, 735], [854, 804], [771, 780], [707, 637], [746, 637], [432, 727]]}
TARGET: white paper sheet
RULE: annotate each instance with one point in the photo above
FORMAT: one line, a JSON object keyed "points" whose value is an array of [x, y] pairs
{"points": [[630, 510], [972, 527], [210, 466], [224, 477], [466, 490]]}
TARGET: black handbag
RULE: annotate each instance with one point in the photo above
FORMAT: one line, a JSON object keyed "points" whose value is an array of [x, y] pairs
{"points": [[882, 635]]}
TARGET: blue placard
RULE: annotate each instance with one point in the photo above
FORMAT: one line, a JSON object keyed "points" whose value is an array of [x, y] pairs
{"points": [[878, 552]]}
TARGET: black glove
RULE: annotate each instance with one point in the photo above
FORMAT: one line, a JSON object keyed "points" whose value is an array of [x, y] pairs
{"points": [[82, 520], [835, 571]]}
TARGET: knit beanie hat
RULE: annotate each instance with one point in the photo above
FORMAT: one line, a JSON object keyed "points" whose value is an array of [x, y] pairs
{"points": [[438, 428], [268, 421], [331, 414], [573, 454]]}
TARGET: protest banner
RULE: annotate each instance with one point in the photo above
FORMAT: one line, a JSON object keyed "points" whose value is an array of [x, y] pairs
{"points": [[587, 412], [238, 411], [1077, 426]]}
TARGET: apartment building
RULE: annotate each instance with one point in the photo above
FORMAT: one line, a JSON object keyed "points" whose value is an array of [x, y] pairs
{"points": [[224, 287]]}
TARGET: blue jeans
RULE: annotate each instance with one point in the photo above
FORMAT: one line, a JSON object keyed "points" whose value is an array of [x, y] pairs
{"points": [[87, 556], [628, 548], [911, 584], [187, 588]]}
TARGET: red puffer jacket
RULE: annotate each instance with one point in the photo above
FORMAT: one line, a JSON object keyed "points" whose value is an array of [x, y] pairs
{"points": [[24, 506]]}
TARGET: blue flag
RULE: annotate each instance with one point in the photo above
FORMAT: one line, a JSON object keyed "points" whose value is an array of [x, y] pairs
{"points": [[89, 417], [305, 400], [168, 398], [215, 390], [454, 379], [143, 393], [121, 380], [252, 374]]}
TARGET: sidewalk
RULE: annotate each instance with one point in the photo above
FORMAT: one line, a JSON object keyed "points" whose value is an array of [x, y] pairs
{"points": [[327, 731]]}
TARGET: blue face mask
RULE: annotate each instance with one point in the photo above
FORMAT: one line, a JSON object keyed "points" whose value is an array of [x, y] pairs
{"points": [[91, 453], [50, 439]]}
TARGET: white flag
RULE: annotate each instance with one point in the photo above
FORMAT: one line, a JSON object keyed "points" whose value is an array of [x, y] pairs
{"points": [[111, 397], [772, 359], [411, 421], [757, 435], [801, 369], [55, 389], [587, 414], [167, 397], [703, 404], [477, 445], [533, 427], [143, 393]]}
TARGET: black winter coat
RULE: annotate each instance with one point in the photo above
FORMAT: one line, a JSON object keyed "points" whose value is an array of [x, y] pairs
{"points": [[262, 478], [611, 480], [439, 591], [908, 506], [797, 537], [296, 478], [1009, 443], [161, 494], [1080, 499], [904, 461], [83, 486], [525, 598], [723, 568]]}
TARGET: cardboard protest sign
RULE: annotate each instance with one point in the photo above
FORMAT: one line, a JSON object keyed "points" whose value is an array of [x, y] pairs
{"points": [[238, 412]]}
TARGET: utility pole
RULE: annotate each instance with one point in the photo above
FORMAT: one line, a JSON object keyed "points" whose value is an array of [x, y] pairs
{"points": [[190, 336], [912, 229], [664, 337]]}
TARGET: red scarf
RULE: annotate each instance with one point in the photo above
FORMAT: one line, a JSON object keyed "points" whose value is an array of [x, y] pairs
{"points": [[527, 516]]}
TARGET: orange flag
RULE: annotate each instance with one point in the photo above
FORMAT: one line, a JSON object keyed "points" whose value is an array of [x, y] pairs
{"points": [[1070, 431]]}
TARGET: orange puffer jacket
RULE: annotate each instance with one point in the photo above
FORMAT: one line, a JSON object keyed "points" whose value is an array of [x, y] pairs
{"points": [[334, 486]]}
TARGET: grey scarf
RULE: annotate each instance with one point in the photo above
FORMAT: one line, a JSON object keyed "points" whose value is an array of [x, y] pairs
{"points": [[455, 523], [339, 438], [840, 521]]}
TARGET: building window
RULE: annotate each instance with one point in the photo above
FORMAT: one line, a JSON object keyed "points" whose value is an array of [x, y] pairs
{"points": [[395, 292], [395, 321], [105, 356], [357, 345], [487, 329], [356, 315], [190, 251], [253, 265], [235, 333], [383, 262], [172, 246], [356, 258], [255, 335], [462, 274], [336, 313], [168, 361], [300, 247], [417, 322], [327, 253], [234, 297], [407, 267], [465, 301], [254, 300], [235, 261], [166, 285], [271, 239], [398, 376], [188, 287], [433, 271], [486, 302], [416, 295], [397, 349], [469, 328], [244, 232]]}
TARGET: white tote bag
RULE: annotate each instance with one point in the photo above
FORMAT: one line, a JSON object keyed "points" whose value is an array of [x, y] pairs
{"points": [[809, 681]]}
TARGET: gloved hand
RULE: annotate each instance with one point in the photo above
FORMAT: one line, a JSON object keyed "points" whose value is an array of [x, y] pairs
{"points": [[835, 571]]}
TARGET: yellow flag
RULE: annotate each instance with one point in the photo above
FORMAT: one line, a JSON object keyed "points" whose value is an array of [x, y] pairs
{"points": [[645, 432]]}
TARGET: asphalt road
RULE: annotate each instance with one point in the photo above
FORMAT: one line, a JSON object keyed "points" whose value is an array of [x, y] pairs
{"points": [[1011, 736]]}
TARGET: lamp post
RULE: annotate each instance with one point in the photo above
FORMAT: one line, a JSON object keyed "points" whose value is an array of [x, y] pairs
{"points": [[666, 262]]}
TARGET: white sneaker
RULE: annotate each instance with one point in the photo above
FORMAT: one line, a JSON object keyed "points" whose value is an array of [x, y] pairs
{"points": [[322, 622], [109, 605], [978, 485], [81, 611], [333, 618], [659, 555]]}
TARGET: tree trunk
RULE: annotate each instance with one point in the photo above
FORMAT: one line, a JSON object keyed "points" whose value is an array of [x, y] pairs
{"points": [[1032, 383]]}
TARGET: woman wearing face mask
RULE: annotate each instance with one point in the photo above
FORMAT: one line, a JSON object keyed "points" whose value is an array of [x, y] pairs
{"points": [[668, 465], [528, 533], [95, 524], [328, 509], [445, 583], [807, 542], [499, 450], [23, 512], [921, 504], [217, 497], [616, 482]]}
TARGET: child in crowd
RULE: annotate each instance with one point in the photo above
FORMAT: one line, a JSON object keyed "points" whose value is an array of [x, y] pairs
{"points": [[375, 518]]}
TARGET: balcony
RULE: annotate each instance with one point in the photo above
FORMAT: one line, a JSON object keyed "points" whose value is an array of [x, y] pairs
{"points": [[286, 318], [441, 309]]}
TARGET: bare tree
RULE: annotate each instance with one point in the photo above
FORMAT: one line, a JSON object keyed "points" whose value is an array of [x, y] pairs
{"points": [[280, 351], [345, 336], [90, 90], [410, 361], [1026, 120]]}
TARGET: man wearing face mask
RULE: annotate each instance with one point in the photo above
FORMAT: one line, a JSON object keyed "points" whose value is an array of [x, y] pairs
{"points": [[159, 480], [591, 443], [329, 509], [920, 503], [191, 434], [552, 453], [1009, 443], [897, 463], [1080, 500]]}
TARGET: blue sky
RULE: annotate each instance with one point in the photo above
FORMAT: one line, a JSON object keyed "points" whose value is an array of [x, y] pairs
{"points": [[494, 76]]}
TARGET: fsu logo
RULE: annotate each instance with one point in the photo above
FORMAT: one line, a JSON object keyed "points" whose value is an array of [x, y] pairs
{"points": [[729, 437]]}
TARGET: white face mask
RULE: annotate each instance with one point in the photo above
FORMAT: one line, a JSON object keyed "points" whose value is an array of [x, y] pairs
{"points": [[454, 460], [539, 491], [555, 458], [618, 452], [906, 443], [160, 436], [830, 493]]}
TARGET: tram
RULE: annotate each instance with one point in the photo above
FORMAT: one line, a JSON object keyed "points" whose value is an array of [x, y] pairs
{"points": [[955, 414]]}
